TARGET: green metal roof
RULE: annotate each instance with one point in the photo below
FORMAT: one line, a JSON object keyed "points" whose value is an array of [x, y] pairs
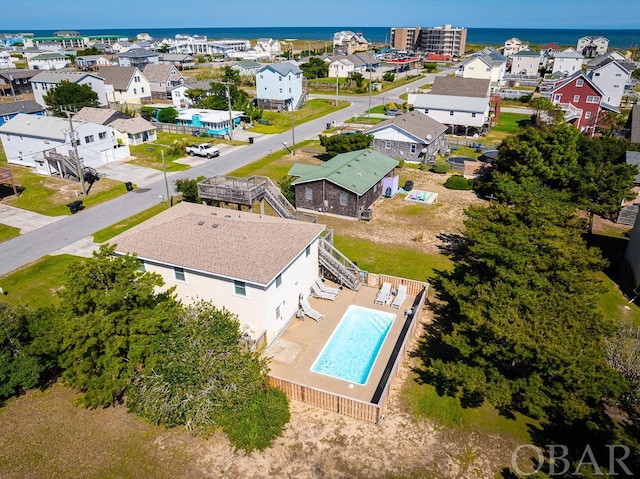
{"points": [[356, 171]]}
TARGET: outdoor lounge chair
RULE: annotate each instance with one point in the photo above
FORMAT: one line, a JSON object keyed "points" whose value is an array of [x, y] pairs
{"points": [[327, 289], [400, 297], [309, 311], [316, 292], [383, 294]]}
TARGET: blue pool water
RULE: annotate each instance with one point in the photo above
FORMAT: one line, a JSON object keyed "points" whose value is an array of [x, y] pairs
{"points": [[353, 347]]}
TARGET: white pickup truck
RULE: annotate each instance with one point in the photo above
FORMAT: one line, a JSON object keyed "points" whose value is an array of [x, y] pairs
{"points": [[204, 149]]}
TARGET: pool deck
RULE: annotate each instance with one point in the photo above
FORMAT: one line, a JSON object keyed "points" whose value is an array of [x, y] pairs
{"points": [[296, 349]]}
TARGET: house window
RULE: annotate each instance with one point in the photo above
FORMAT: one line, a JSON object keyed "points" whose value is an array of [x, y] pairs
{"points": [[89, 139], [579, 82], [412, 149], [278, 280], [261, 77], [241, 288], [307, 251], [587, 115], [278, 313], [279, 78], [279, 90], [387, 145], [616, 86], [178, 273], [344, 199], [593, 99], [426, 110], [597, 74], [135, 91], [618, 74], [102, 135], [451, 113], [136, 79], [473, 115], [576, 98], [308, 194], [142, 90]]}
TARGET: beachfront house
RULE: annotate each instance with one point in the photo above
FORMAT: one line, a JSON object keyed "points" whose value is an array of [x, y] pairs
{"points": [[513, 46], [346, 185], [235, 259], [592, 46]]}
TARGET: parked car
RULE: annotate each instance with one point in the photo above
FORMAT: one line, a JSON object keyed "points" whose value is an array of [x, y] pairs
{"points": [[204, 149]]}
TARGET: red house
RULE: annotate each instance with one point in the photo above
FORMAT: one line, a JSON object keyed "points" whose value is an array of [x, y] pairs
{"points": [[580, 100]]}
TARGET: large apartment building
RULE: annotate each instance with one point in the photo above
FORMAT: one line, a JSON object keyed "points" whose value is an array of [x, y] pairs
{"points": [[444, 40]]}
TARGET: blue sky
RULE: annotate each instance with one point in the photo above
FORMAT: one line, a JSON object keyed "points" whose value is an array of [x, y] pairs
{"points": [[74, 14]]}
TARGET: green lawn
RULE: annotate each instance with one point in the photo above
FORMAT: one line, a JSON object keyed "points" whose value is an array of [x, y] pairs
{"points": [[364, 120], [35, 285], [149, 155], [511, 122], [275, 166], [613, 303], [395, 261], [8, 232], [423, 400], [115, 229], [281, 122]]}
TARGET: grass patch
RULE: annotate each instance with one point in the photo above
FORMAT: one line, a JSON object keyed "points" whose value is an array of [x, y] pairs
{"points": [[115, 229], [149, 155], [363, 120], [397, 261], [7, 232], [511, 122], [35, 285], [423, 400], [49, 196], [281, 122], [613, 303], [275, 166]]}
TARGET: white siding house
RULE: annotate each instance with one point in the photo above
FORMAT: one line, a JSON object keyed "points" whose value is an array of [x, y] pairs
{"points": [[26, 140], [279, 84], [236, 260], [567, 62], [513, 46], [6, 60], [610, 77], [45, 81], [488, 64], [454, 111], [48, 61]]}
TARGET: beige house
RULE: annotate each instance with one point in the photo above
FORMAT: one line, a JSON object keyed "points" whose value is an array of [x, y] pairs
{"points": [[347, 42], [125, 85], [237, 260]]}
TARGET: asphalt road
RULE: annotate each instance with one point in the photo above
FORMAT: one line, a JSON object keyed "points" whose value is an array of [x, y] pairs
{"points": [[35, 244]]}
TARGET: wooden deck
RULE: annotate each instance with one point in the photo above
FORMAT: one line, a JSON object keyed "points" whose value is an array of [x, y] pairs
{"points": [[296, 349]]}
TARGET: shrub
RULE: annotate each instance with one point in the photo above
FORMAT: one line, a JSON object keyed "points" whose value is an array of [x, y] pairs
{"points": [[389, 76], [457, 182], [400, 162], [441, 167]]}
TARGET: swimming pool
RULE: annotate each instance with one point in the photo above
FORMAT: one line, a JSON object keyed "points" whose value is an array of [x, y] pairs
{"points": [[353, 347]]}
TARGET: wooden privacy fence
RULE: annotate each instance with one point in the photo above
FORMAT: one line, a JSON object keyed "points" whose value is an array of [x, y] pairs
{"points": [[372, 411]]}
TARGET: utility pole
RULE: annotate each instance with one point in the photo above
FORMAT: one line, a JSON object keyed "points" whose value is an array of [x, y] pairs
{"points": [[227, 86], [13, 92], [369, 110], [166, 183], [337, 78], [74, 143], [293, 135]]}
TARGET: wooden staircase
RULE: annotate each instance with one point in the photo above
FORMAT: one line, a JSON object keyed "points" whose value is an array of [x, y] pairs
{"points": [[342, 270]]}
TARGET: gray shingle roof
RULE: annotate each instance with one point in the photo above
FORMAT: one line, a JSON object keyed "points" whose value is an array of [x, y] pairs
{"points": [[132, 125], [415, 123], [26, 106], [244, 246], [57, 76], [458, 86], [452, 103], [283, 68], [633, 158], [157, 73], [37, 126], [634, 119]]}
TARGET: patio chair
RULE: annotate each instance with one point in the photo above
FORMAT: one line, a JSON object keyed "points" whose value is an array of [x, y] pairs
{"points": [[316, 292], [383, 294], [309, 311], [327, 289], [400, 297]]}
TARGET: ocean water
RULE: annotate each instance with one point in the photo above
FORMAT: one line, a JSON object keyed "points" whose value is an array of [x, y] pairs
{"points": [[485, 36]]}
